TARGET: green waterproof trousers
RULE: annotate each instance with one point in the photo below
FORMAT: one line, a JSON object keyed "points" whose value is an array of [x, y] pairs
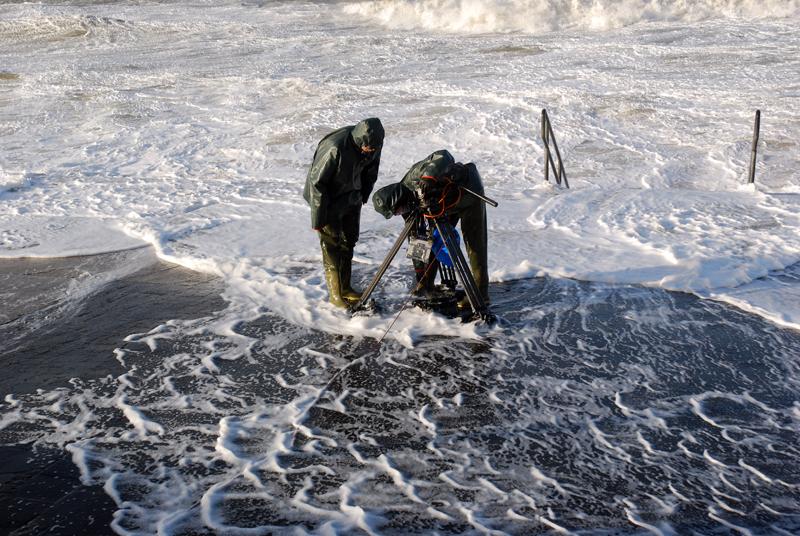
{"points": [[337, 240], [473, 230]]}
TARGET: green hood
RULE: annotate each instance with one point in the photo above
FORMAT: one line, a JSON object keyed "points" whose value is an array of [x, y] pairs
{"points": [[436, 164], [368, 132], [389, 198]]}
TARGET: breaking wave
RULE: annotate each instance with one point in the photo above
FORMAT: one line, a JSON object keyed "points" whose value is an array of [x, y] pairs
{"points": [[538, 16]]}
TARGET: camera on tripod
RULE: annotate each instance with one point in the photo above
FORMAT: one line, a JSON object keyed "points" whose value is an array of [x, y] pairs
{"points": [[434, 244]]}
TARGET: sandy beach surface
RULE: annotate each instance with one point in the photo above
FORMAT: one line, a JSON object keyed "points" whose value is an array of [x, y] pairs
{"points": [[620, 390], [48, 336]]}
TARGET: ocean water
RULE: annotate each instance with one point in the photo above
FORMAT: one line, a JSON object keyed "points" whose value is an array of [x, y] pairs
{"points": [[643, 377]]}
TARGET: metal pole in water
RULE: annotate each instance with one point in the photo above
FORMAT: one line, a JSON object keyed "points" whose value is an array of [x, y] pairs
{"points": [[756, 127], [546, 145]]}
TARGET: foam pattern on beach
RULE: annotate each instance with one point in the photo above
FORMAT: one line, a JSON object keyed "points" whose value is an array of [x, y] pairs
{"points": [[593, 409]]}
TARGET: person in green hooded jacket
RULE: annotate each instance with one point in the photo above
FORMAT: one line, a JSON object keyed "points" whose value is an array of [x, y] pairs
{"points": [[439, 167], [342, 174]]}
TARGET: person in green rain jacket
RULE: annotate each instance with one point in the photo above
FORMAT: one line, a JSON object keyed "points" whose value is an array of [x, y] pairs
{"points": [[399, 198], [342, 174]]}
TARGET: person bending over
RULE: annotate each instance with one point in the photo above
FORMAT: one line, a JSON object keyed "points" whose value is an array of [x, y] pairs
{"points": [[440, 167], [342, 174]]}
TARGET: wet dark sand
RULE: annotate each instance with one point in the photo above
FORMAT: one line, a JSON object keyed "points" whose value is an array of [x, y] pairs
{"points": [[548, 402], [43, 344]]}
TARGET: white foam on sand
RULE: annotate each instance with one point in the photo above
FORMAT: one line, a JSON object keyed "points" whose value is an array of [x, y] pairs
{"points": [[725, 245], [52, 236]]}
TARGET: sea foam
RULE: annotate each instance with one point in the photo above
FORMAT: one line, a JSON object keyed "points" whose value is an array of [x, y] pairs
{"points": [[537, 16]]}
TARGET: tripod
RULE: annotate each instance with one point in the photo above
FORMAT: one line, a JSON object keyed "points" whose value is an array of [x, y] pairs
{"points": [[421, 224]]}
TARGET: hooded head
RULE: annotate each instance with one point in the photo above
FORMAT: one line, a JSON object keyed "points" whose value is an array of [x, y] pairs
{"points": [[390, 199], [368, 133], [437, 164]]}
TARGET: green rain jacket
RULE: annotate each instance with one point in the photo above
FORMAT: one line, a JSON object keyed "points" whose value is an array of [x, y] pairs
{"points": [[341, 176], [388, 200]]}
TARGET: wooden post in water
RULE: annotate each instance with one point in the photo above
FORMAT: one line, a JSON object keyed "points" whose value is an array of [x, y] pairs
{"points": [[754, 150]]}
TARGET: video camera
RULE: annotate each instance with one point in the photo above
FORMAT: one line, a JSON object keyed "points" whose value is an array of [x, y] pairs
{"points": [[436, 195]]}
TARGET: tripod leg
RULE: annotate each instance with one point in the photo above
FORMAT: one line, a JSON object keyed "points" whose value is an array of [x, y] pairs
{"points": [[462, 269], [385, 264]]}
